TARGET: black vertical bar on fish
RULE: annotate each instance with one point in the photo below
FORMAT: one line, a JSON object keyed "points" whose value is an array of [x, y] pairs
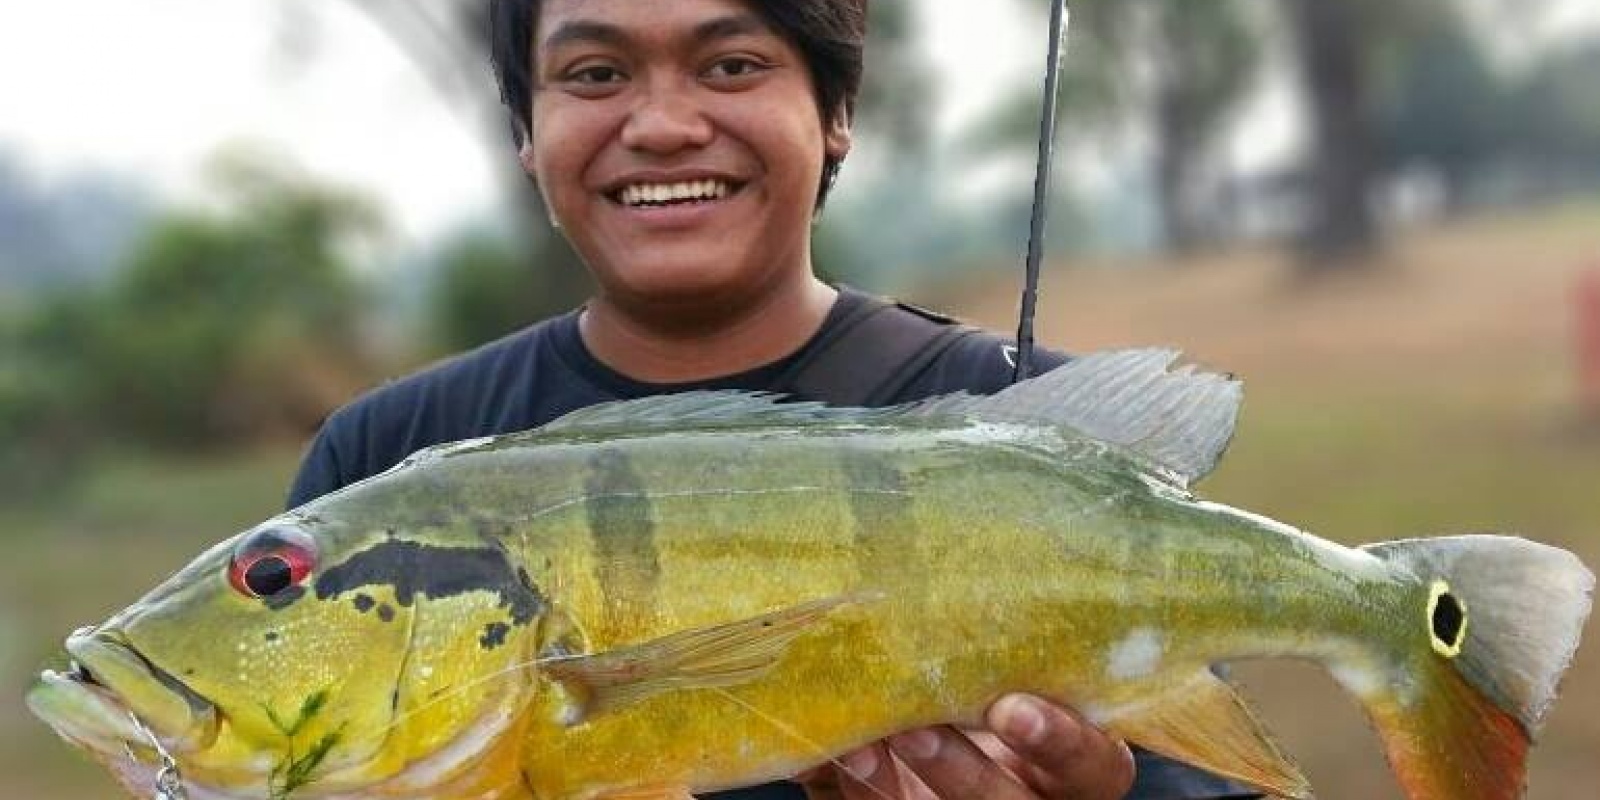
{"points": [[1059, 17]]}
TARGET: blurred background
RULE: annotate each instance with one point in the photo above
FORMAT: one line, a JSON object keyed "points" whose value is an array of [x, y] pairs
{"points": [[218, 221]]}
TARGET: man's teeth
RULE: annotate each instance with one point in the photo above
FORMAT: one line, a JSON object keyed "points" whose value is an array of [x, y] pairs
{"points": [[663, 193]]}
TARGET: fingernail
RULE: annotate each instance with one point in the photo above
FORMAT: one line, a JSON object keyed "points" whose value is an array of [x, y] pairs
{"points": [[1020, 719], [862, 764], [921, 744]]}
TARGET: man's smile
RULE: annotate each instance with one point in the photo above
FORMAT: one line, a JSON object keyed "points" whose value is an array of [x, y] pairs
{"points": [[645, 195], [673, 200]]}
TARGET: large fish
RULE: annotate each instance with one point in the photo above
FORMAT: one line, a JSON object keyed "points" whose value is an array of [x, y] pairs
{"points": [[694, 592]]}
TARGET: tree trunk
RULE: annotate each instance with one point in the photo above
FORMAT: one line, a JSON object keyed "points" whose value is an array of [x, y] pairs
{"points": [[1180, 135], [1341, 227]]}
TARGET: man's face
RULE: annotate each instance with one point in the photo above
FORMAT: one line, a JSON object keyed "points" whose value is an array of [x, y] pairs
{"points": [[679, 145]]}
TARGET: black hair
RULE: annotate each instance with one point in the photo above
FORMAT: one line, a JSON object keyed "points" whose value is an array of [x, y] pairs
{"points": [[830, 35]]}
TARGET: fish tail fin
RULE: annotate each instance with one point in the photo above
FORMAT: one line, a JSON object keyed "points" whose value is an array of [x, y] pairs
{"points": [[1497, 621]]}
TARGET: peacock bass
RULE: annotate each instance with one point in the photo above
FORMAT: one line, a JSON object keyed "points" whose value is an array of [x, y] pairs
{"points": [[700, 591]]}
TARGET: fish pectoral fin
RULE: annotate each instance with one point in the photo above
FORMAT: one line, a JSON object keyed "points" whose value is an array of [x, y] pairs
{"points": [[1207, 724], [662, 792], [722, 655]]}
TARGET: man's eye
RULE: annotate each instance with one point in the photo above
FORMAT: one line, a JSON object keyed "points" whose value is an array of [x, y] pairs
{"points": [[735, 67], [597, 75]]}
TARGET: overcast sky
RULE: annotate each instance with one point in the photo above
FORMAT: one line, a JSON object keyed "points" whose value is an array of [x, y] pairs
{"points": [[151, 87]]}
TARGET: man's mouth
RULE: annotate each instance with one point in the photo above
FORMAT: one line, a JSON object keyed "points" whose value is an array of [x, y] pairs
{"points": [[664, 195]]}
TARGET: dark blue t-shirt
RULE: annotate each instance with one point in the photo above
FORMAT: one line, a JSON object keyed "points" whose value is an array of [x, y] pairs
{"points": [[545, 371]]}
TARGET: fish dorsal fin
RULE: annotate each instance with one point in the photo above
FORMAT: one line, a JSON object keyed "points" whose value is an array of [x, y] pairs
{"points": [[1179, 420], [699, 408], [1205, 723], [722, 655]]}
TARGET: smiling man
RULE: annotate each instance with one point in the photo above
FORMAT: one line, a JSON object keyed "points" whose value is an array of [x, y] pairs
{"points": [[685, 148]]}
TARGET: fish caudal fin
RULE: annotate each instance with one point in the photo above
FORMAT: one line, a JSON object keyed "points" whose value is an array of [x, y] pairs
{"points": [[1495, 630], [1206, 724]]}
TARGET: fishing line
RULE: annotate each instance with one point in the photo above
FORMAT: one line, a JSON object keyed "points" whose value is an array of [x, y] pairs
{"points": [[789, 731], [1060, 22], [168, 781]]}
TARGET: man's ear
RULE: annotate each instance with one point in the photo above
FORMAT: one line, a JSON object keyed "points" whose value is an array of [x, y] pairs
{"points": [[837, 138], [526, 157]]}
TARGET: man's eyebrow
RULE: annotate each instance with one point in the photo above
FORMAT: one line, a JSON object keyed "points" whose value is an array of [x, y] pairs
{"points": [[729, 27], [585, 31], [604, 33]]}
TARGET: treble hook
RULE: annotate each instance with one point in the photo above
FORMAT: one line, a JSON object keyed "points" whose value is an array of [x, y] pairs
{"points": [[169, 782]]}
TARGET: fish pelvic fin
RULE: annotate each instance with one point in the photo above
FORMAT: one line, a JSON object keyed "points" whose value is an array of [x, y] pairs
{"points": [[719, 656], [1204, 722], [1496, 622]]}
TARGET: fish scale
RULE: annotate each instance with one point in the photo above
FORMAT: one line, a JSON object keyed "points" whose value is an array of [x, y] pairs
{"points": [[960, 564]]}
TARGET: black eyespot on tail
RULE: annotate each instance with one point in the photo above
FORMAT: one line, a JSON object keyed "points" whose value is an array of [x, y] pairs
{"points": [[1447, 620]]}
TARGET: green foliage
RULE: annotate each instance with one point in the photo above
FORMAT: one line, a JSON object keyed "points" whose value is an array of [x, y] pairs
{"points": [[1557, 107], [1443, 105], [209, 334], [1178, 67], [486, 290]]}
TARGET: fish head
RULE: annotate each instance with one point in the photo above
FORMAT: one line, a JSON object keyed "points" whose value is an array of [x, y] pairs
{"points": [[307, 656]]}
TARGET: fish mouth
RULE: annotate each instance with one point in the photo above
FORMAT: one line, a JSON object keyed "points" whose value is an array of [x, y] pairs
{"points": [[109, 685]]}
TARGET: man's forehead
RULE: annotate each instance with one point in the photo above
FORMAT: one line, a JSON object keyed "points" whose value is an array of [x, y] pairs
{"points": [[622, 21]]}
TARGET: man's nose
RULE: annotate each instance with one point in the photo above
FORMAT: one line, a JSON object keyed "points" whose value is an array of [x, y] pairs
{"points": [[666, 119]]}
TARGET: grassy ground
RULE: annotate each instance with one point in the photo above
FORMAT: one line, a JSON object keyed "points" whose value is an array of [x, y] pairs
{"points": [[1432, 394]]}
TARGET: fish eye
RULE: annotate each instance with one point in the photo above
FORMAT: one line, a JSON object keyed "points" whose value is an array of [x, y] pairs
{"points": [[272, 561]]}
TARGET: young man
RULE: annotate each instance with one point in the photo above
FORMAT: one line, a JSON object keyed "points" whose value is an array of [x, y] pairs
{"points": [[684, 148]]}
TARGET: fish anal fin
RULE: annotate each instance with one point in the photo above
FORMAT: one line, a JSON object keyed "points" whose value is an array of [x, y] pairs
{"points": [[656, 792], [1206, 724], [719, 656]]}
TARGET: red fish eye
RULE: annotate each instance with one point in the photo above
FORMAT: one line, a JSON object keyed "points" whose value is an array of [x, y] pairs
{"points": [[272, 561]]}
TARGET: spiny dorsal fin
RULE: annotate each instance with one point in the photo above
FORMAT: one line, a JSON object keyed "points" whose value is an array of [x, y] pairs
{"points": [[1179, 420], [689, 408]]}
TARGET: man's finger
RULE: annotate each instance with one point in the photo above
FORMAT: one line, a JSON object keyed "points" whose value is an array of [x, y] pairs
{"points": [[866, 774], [954, 768], [1063, 756], [870, 774]]}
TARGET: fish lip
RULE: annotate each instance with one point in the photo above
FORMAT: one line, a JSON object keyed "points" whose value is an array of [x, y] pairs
{"points": [[101, 664]]}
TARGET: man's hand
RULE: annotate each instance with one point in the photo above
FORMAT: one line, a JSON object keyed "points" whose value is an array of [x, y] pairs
{"points": [[1037, 751]]}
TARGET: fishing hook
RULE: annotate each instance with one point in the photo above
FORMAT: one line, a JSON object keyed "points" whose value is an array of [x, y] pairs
{"points": [[1060, 23]]}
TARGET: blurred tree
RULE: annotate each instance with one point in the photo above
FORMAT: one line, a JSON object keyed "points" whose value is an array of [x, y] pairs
{"points": [[1331, 39], [1444, 106], [236, 325], [1345, 49], [897, 96], [1179, 68], [448, 40], [484, 292], [1557, 111], [45, 393]]}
